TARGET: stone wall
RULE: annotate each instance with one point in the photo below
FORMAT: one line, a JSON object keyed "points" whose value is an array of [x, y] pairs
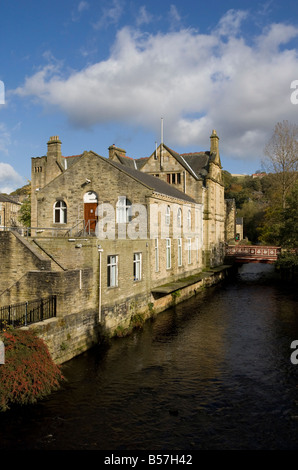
{"points": [[17, 257], [69, 336]]}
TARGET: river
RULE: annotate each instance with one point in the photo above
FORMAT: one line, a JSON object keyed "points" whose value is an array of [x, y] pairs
{"points": [[212, 373]]}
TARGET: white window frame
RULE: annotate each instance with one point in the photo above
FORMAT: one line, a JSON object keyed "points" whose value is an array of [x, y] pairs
{"points": [[179, 251], [189, 250], [156, 249], [168, 253], [189, 218], [197, 248], [123, 210], [168, 215], [179, 217], [112, 271], [137, 266], [60, 210]]}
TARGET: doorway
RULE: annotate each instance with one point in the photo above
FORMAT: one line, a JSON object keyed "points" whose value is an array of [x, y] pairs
{"points": [[90, 206]]}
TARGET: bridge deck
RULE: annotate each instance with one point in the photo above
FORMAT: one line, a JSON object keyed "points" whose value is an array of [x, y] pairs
{"points": [[253, 254]]}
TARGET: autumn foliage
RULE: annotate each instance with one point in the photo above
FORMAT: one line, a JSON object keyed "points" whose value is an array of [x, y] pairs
{"points": [[28, 372]]}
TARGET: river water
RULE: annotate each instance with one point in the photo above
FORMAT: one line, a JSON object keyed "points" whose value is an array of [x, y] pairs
{"points": [[212, 373]]}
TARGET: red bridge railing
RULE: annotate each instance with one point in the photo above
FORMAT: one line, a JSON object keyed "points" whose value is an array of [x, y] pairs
{"points": [[250, 253]]}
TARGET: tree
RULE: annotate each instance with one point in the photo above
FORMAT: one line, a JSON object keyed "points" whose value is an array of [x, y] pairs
{"points": [[289, 230], [25, 209], [281, 158]]}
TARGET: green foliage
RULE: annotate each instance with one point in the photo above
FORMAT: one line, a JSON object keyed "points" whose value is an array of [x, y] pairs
{"points": [[266, 219], [280, 226], [287, 260], [289, 230], [25, 212], [29, 372]]}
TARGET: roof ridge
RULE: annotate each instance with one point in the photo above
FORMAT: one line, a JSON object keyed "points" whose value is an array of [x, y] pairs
{"points": [[194, 153], [72, 156]]}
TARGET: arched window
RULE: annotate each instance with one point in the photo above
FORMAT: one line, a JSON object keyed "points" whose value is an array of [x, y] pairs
{"points": [[168, 215], [179, 217], [124, 212], [60, 212], [189, 219]]}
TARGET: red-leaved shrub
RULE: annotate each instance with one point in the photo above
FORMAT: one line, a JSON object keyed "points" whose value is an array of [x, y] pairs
{"points": [[28, 372]]}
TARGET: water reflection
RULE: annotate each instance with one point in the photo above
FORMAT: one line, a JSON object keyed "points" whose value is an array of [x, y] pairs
{"points": [[211, 373]]}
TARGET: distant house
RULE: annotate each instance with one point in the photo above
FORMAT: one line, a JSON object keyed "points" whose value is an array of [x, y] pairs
{"points": [[259, 175], [9, 208]]}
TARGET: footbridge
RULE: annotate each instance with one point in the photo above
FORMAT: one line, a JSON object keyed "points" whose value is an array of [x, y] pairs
{"points": [[252, 254]]}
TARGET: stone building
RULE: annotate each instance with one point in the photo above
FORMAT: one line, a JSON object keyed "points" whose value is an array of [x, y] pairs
{"points": [[196, 174], [9, 208], [116, 237]]}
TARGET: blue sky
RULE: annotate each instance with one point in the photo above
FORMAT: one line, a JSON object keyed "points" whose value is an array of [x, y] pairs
{"points": [[98, 72]]}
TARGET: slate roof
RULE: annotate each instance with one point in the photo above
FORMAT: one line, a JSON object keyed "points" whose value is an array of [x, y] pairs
{"points": [[72, 159], [195, 163], [154, 183], [131, 162], [5, 198]]}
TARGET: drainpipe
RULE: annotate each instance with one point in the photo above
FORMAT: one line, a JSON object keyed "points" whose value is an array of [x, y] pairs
{"points": [[100, 250]]}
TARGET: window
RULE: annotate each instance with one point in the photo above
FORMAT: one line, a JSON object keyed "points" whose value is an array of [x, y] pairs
{"points": [[168, 215], [189, 219], [112, 271], [137, 266], [179, 251], [156, 255], [60, 212], [168, 253], [197, 249], [189, 250], [173, 178], [123, 207], [179, 217]]}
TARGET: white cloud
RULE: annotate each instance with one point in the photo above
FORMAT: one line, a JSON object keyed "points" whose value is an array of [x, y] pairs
{"points": [[4, 139], [9, 178], [230, 23], [110, 14], [175, 17], [143, 16], [76, 12], [83, 6], [196, 81]]}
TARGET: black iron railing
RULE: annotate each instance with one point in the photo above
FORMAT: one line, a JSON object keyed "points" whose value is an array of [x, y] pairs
{"points": [[25, 313]]}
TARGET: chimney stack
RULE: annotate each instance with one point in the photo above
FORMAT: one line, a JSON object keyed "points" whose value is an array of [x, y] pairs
{"points": [[54, 149], [113, 151], [214, 142]]}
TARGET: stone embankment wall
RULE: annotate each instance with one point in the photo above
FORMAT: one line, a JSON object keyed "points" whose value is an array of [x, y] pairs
{"points": [[70, 270], [73, 334]]}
